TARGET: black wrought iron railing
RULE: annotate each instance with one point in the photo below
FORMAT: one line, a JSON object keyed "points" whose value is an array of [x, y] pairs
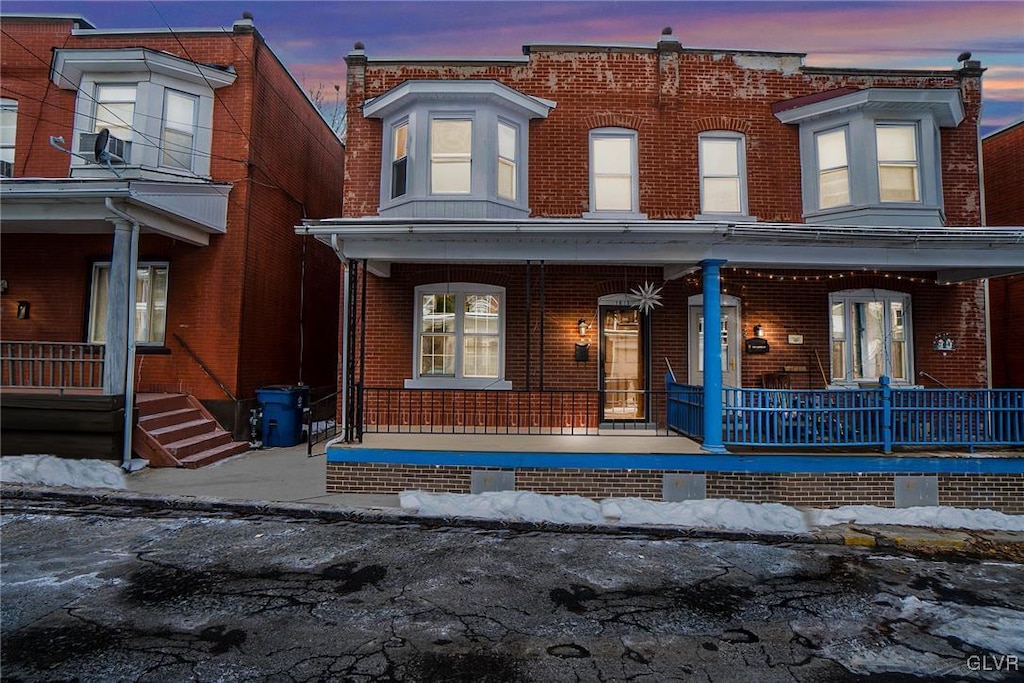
{"points": [[322, 421], [479, 411]]}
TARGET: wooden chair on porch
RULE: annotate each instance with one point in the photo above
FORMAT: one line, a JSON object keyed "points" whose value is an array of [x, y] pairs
{"points": [[787, 421]]}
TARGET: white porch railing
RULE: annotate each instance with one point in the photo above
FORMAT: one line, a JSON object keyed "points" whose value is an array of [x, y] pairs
{"points": [[51, 365]]}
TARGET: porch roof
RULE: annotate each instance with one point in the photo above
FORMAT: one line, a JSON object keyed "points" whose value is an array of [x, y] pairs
{"points": [[954, 253], [186, 211]]}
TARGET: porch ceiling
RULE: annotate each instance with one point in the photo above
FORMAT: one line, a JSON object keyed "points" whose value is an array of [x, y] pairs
{"points": [[189, 212], [954, 253]]}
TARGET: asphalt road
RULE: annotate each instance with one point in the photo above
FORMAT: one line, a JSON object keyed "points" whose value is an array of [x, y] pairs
{"points": [[92, 594]]}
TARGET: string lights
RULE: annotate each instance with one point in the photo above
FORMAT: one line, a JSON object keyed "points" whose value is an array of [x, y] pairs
{"points": [[783, 276]]}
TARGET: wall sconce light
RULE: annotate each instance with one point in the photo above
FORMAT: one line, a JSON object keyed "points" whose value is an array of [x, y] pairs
{"points": [[758, 331], [582, 325], [23, 310], [3, 286]]}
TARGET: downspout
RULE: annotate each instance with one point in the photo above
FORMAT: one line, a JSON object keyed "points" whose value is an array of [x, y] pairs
{"points": [[345, 295], [129, 379]]}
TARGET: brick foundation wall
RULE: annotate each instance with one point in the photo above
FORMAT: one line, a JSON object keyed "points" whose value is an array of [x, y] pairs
{"points": [[1002, 492]]}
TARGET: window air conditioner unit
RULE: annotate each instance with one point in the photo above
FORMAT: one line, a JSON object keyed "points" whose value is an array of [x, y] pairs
{"points": [[115, 146]]}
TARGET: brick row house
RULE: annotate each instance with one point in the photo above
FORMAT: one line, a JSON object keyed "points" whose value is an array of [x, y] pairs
{"points": [[1003, 164], [533, 245], [152, 179]]}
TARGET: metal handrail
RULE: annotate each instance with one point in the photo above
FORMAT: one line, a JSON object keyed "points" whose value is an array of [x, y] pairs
{"points": [[210, 373], [317, 414]]}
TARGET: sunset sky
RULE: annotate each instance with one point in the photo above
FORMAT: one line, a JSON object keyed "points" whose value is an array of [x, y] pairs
{"points": [[312, 38]]}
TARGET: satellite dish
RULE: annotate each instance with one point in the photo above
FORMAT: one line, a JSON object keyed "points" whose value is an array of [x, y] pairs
{"points": [[100, 147], [963, 56]]}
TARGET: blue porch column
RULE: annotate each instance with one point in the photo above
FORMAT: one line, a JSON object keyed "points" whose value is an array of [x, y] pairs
{"points": [[712, 357]]}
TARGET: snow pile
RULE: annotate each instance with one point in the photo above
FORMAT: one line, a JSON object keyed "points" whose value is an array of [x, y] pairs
{"points": [[714, 513], [518, 506], [988, 628], [938, 517], [707, 514], [49, 470]]}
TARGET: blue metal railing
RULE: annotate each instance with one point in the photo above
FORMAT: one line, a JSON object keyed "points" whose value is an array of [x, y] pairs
{"points": [[883, 417]]}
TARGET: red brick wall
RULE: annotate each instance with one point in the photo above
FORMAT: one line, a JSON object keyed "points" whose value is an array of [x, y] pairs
{"points": [[236, 303], [1002, 492], [1003, 160], [782, 307], [707, 91]]}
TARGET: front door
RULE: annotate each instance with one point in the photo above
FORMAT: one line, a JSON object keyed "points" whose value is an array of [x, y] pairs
{"points": [[728, 339], [623, 364]]}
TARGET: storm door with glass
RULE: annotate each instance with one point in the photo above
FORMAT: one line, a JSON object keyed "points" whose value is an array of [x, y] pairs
{"points": [[623, 364]]}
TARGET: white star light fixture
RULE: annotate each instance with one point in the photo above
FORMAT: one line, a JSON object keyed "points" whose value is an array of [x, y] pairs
{"points": [[645, 297]]}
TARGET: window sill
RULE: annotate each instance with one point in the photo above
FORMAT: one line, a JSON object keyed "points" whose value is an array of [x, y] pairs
{"points": [[725, 218], [152, 350], [615, 215], [451, 383]]}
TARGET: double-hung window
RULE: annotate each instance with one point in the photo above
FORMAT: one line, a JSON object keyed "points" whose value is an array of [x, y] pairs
{"points": [[870, 333], [508, 144], [8, 133], [451, 156], [400, 159], [150, 303], [613, 172], [897, 162], [115, 110], [459, 335], [179, 132], [833, 168], [722, 174]]}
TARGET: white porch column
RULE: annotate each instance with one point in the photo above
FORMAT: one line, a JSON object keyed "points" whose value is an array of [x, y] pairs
{"points": [[115, 364]]}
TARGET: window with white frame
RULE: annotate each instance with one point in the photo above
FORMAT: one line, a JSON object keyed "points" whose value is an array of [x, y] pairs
{"points": [[451, 156], [455, 148], [8, 135], [150, 303], [157, 107], [613, 171], [508, 145], [870, 334], [178, 143], [833, 168], [873, 156], [115, 110], [399, 159], [897, 162], [722, 173], [459, 335]]}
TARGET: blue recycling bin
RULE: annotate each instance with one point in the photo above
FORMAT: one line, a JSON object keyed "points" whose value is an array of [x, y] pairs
{"points": [[283, 407]]}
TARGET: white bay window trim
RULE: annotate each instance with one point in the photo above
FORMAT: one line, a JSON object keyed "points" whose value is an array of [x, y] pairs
{"points": [[461, 344], [871, 335], [491, 177]]}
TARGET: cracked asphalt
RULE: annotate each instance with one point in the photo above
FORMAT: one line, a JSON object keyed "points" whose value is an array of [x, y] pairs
{"points": [[92, 593]]}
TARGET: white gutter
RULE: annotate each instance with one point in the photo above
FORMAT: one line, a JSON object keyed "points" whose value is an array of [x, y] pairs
{"points": [[336, 245], [129, 380]]}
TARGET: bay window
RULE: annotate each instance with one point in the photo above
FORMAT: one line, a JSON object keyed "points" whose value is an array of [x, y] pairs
{"points": [[897, 162], [179, 130], [833, 169], [451, 156]]}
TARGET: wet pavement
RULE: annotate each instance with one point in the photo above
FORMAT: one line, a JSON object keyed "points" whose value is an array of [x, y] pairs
{"points": [[99, 589]]}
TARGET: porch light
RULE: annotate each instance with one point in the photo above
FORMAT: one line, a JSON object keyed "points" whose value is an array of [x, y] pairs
{"points": [[758, 331], [583, 327], [23, 308]]}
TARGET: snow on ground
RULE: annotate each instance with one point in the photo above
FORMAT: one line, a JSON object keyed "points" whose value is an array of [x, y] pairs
{"points": [[708, 514], [526, 506], [50, 470]]}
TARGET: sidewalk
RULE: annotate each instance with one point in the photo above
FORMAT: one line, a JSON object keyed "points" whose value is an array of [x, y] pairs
{"points": [[277, 475], [296, 482]]}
